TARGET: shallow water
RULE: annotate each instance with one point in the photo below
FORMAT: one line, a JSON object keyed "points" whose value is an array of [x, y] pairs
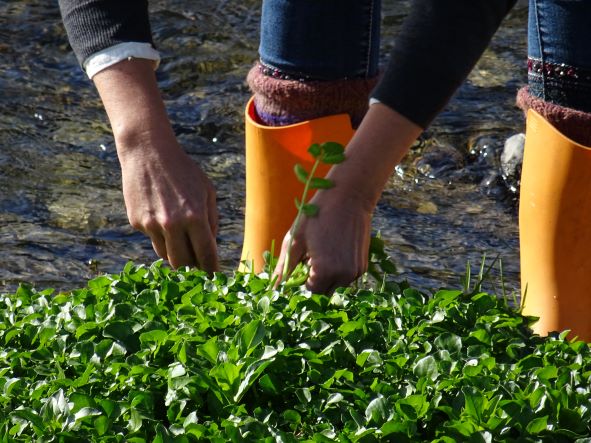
{"points": [[62, 218]]}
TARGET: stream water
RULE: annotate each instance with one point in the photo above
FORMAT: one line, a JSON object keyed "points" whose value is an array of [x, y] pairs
{"points": [[62, 218]]}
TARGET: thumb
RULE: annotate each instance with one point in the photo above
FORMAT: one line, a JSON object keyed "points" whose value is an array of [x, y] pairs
{"points": [[291, 254]]}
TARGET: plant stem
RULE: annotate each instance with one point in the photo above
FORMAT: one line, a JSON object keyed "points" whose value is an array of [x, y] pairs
{"points": [[297, 220]]}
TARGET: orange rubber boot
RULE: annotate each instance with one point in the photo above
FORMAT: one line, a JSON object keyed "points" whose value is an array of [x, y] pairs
{"points": [[271, 184], [555, 230]]}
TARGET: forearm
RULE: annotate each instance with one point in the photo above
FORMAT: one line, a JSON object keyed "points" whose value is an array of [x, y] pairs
{"points": [[135, 108], [379, 144], [439, 44]]}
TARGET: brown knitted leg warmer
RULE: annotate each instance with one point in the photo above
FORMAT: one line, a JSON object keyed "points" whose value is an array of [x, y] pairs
{"points": [[574, 124], [280, 102]]}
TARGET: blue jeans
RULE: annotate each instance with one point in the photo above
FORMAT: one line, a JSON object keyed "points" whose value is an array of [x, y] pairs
{"points": [[559, 54], [320, 39]]}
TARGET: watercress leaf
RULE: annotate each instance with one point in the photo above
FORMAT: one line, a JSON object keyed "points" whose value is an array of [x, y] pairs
{"points": [[426, 367], [158, 336], [182, 354], [547, 373], [388, 266], [268, 384], [334, 398], [252, 373], [333, 159], [29, 415], [86, 412], [301, 173], [209, 350], [135, 421], [473, 402], [332, 150], [537, 425], [304, 395], [397, 427], [101, 424], [250, 336], [315, 150], [292, 416], [226, 374], [417, 402], [377, 410], [100, 282], [321, 183], [310, 209], [176, 370], [449, 341], [123, 331]]}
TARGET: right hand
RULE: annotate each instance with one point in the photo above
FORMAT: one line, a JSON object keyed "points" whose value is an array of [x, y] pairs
{"points": [[170, 199]]}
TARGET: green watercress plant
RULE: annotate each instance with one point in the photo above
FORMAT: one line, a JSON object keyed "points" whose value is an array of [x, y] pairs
{"points": [[154, 355]]}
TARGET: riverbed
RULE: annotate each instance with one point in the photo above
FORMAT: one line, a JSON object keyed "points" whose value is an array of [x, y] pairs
{"points": [[62, 217]]}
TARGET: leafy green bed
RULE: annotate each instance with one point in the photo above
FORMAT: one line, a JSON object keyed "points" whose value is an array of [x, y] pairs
{"points": [[153, 355]]}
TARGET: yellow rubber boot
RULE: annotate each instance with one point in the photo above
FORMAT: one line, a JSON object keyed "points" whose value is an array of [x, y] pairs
{"points": [[555, 230], [271, 185]]}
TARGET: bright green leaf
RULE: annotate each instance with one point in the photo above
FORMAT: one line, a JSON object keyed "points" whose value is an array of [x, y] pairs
{"points": [[321, 183], [301, 173], [426, 367]]}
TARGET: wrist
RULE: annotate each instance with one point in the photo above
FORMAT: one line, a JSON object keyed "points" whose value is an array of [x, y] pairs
{"points": [[379, 144], [135, 109], [152, 142]]}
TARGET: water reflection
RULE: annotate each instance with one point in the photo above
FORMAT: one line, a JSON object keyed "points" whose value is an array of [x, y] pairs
{"points": [[61, 210]]}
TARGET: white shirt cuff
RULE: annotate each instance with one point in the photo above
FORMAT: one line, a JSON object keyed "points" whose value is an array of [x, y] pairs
{"points": [[373, 101], [114, 54]]}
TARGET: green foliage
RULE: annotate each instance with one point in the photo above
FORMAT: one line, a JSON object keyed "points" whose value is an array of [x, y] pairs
{"points": [[154, 355]]}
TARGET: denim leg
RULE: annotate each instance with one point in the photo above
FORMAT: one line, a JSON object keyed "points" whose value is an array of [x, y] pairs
{"points": [[320, 39], [559, 56]]}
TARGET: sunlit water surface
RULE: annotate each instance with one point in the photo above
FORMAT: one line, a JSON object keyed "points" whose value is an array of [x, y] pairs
{"points": [[62, 218]]}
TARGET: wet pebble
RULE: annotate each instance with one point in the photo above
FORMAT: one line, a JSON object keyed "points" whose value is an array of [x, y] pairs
{"points": [[511, 160], [428, 208], [485, 150], [438, 161]]}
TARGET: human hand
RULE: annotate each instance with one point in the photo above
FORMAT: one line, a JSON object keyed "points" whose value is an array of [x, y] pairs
{"points": [[167, 196], [171, 200], [335, 242]]}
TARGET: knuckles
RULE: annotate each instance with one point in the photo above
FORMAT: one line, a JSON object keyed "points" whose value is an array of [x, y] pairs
{"points": [[166, 223], [328, 274]]}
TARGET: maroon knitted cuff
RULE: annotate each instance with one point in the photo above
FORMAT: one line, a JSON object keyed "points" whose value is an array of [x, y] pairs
{"points": [[574, 124], [280, 102]]}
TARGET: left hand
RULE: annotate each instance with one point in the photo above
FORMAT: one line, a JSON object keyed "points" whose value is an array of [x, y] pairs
{"points": [[335, 242]]}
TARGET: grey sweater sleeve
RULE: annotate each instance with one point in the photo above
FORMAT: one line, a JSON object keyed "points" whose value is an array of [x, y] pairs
{"points": [[439, 44], [93, 25]]}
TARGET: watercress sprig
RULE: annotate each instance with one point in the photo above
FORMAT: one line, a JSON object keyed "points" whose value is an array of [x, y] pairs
{"points": [[327, 153]]}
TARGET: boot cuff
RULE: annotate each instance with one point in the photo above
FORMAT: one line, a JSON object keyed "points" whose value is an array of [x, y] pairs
{"points": [[279, 102], [574, 124]]}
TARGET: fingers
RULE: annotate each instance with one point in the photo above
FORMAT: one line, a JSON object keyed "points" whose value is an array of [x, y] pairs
{"points": [[193, 245], [172, 201], [204, 247], [159, 245], [331, 265], [179, 248], [329, 271], [298, 251], [324, 277]]}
